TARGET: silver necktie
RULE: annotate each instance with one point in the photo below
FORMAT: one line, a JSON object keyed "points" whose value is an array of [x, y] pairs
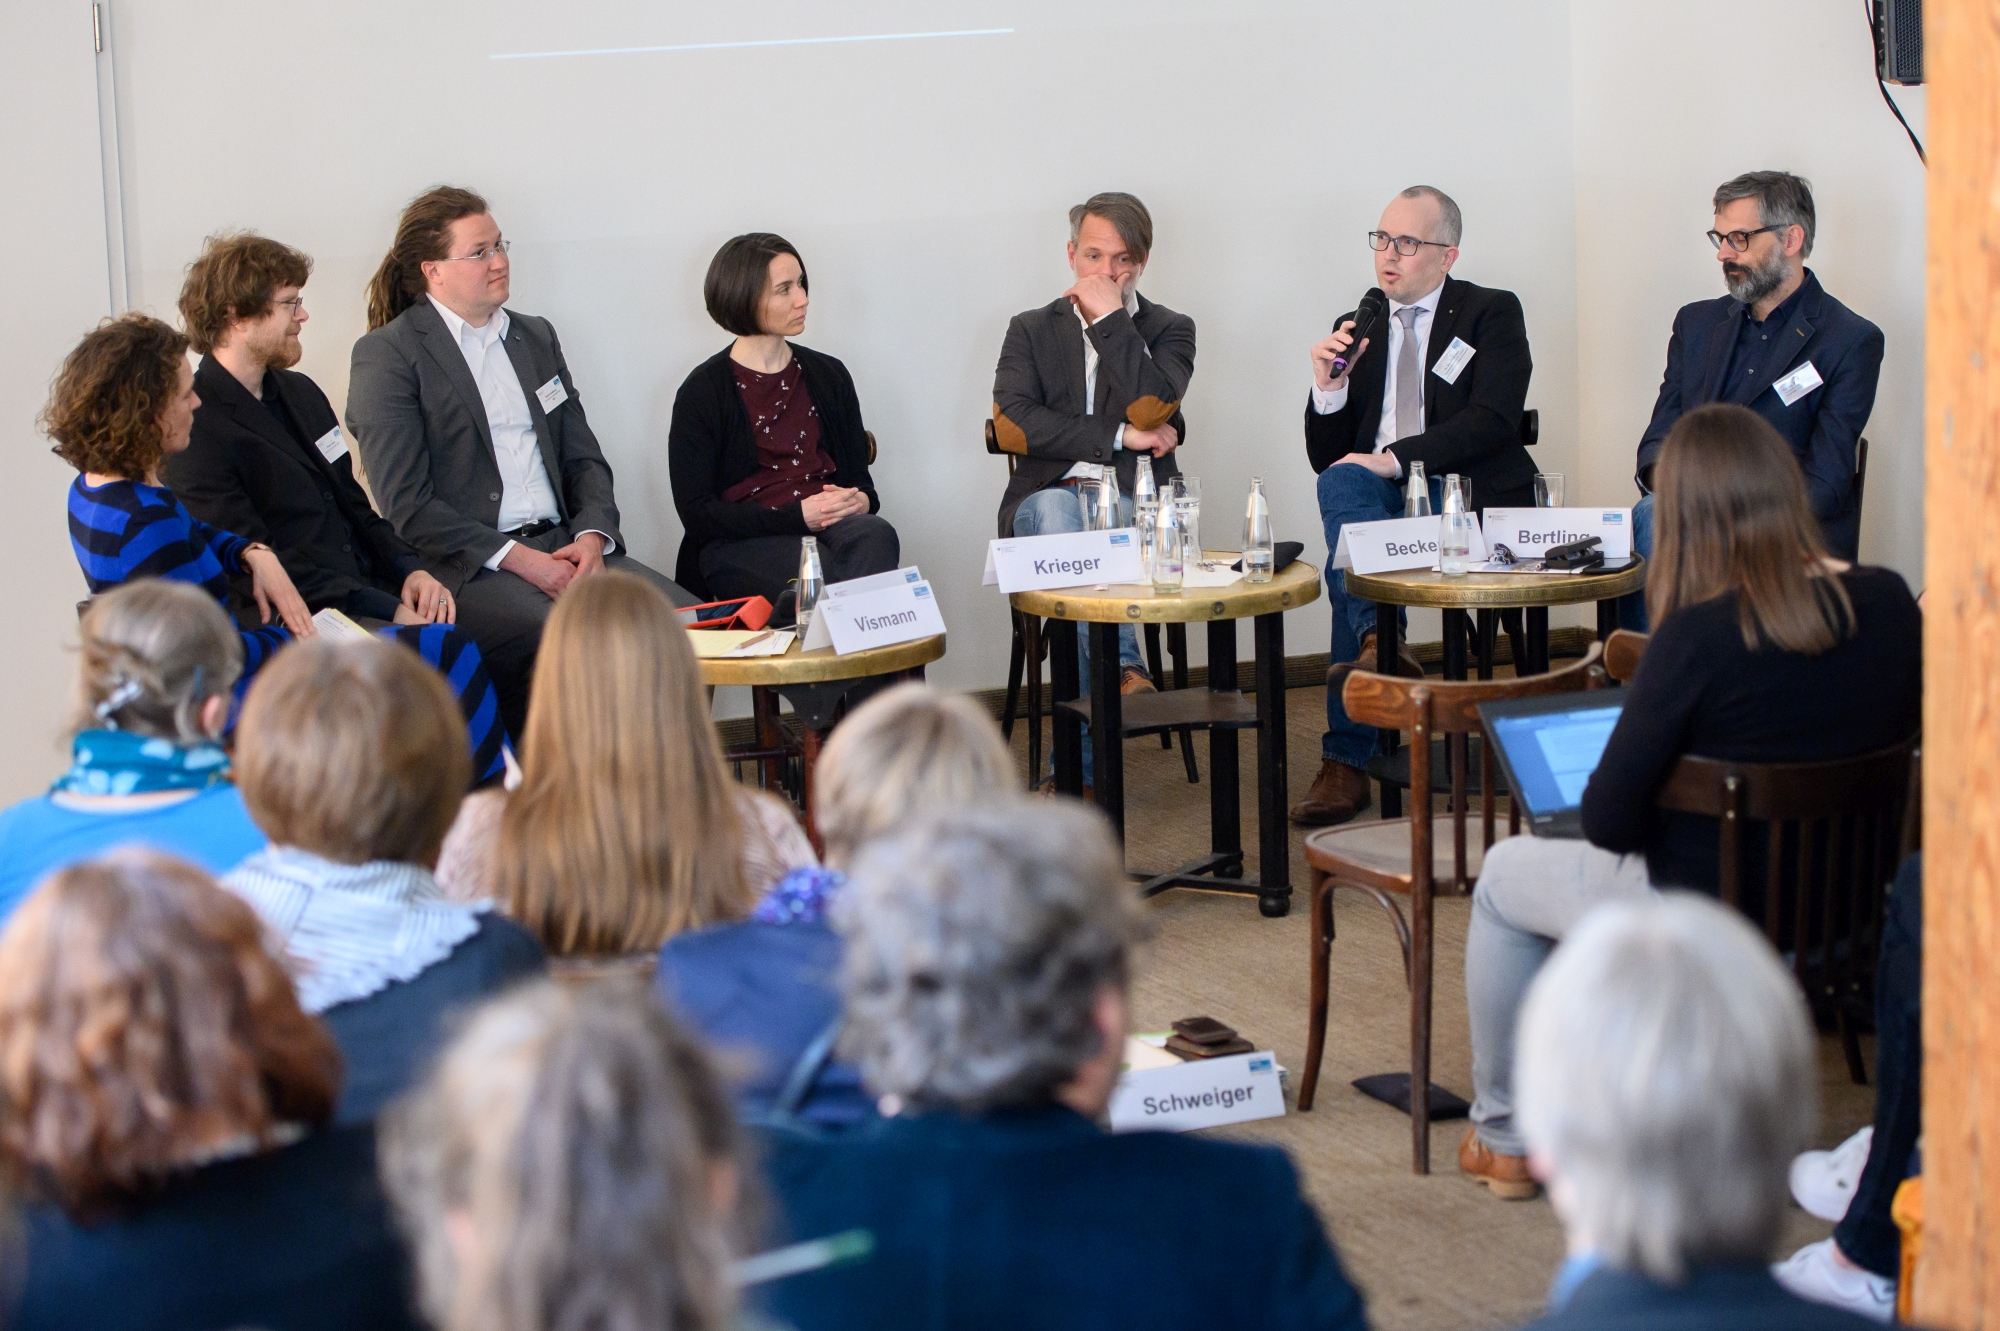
{"points": [[1409, 377]]}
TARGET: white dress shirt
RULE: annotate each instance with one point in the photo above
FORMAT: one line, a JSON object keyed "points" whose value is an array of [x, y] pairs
{"points": [[1088, 470], [1327, 401], [525, 493]]}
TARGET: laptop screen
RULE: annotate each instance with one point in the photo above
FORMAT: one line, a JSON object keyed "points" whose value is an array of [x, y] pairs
{"points": [[1552, 754]]}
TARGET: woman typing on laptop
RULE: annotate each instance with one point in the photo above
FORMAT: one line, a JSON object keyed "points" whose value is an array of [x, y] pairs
{"points": [[1766, 650]]}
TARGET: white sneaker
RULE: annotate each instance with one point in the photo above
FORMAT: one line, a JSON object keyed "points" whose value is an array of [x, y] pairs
{"points": [[1817, 1273], [1824, 1181]]}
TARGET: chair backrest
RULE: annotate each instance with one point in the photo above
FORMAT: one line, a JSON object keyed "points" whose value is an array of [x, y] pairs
{"points": [[993, 446], [1622, 651], [1429, 708], [1860, 472], [1834, 833], [1531, 427], [869, 435]]}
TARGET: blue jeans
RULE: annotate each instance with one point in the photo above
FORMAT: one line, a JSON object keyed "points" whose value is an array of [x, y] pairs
{"points": [[1053, 511], [1632, 608], [1353, 494]]}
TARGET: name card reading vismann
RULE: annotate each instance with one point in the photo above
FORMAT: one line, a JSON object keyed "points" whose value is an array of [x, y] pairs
{"points": [[860, 620], [1529, 532], [1066, 559], [1397, 543], [1200, 1094]]}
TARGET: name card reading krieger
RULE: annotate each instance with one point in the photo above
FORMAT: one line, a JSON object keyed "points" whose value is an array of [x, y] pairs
{"points": [[1529, 532], [1066, 559], [1395, 544]]}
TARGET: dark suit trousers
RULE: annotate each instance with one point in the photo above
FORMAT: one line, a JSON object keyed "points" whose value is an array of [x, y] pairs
{"points": [[504, 614], [765, 565]]}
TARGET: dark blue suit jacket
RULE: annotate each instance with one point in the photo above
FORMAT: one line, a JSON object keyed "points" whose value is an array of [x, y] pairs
{"points": [[1822, 427], [1036, 1218], [1714, 1298]]}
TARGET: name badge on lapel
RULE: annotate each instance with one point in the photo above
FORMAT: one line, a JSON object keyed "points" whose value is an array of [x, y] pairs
{"points": [[332, 445], [552, 394], [1798, 383], [1453, 361]]}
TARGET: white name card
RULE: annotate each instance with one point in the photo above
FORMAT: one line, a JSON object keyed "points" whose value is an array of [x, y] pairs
{"points": [[874, 582], [1066, 559], [1529, 532], [1397, 543], [1204, 1093], [880, 618]]}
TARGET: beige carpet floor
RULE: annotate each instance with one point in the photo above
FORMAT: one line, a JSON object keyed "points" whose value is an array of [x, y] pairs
{"points": [[1435, 1252]]}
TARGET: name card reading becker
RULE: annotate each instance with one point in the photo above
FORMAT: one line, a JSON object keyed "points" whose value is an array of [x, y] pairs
{"points": [[1529, 532], [879, 618], [1066, 559], [1395, 544]]}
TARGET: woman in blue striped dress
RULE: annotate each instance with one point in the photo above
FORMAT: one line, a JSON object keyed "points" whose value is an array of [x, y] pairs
{"points": [[123, 402]]}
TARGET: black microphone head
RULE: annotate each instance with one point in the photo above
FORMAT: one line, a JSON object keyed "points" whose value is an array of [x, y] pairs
{"points": [[1372, 307]]}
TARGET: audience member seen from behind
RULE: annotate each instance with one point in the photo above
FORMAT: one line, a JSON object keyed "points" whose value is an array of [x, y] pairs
{"points": [[766, 444], [124, 402], [157, 665], [989, 956], [626, 828], [352, 759], [266, 459], [571, 1162], [769, 986], [1668, 1074], [163, 1111], [1767, 651], [473, 435]]}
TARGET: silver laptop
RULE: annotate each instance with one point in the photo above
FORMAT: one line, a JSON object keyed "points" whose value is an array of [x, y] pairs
{"points": [[1548, 747]]}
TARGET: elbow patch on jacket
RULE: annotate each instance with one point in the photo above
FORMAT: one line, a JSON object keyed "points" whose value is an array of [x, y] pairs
{"points": [[1149, 413], [1011, 437]]}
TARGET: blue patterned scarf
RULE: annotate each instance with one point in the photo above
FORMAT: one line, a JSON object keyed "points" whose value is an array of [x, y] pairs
{"points": [[118, 762], [800, 897]]}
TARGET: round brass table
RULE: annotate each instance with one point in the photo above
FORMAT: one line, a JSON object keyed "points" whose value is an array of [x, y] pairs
{"points": [[1221, 709], [1482, 594], [799, 670]]}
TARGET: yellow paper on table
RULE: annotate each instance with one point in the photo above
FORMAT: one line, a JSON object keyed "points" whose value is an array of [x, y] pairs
{"points": [[336, 627], [713, 643]]}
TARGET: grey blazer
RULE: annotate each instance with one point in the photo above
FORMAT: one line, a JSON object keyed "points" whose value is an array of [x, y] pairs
{"points": [[1144, 364], [418, 420]]}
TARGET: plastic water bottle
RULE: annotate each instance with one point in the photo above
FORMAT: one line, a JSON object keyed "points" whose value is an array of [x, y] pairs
{"points": [[812, 583], [1257, 546], [1454, 530], [1145, 507], [1419, 493], [1169, 540]]}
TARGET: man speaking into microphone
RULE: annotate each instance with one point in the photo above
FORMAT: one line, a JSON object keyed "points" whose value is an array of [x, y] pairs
{"points": [[1439, 375]]}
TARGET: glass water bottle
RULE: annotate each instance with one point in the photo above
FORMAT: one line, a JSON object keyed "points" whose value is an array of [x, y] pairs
{"points": [[1455, 530], [1169, 542], [1145, 506], [1257, 547], [1418, 493], [812, 582]]}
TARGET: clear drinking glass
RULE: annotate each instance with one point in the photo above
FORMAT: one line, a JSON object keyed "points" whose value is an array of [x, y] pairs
{"points": [[812, 583], [1418, 494], [1548, 489], [1257, 544], [1455, 528], [1187, 498], [1169, 542]]}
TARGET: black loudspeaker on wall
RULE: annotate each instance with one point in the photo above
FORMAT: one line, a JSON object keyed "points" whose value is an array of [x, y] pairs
{"points": [[1899, 41]]}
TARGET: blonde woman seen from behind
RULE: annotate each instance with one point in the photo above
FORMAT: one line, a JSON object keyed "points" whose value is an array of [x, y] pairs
{"points": [[626, 828], [766, 987]]}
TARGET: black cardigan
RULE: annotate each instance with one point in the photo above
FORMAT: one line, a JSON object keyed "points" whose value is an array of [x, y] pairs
{"points": [[710, 448], [1700, 691]]}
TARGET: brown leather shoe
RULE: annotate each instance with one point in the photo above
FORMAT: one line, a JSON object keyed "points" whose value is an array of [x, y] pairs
{"points": [[1338, 793], [1406, 665], [1135, 680], [1506, 1175]]}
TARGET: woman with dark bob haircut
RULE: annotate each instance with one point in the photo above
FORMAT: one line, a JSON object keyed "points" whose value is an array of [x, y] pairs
{"points": [[766, 444], [123, 403], [162, 1109]]}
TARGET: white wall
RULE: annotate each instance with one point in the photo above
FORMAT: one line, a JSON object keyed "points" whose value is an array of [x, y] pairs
{"points": [[57, 288], [926, 182]]}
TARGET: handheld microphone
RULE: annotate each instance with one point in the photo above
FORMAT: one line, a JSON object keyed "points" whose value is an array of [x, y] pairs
{"points": [[1372, 307]]}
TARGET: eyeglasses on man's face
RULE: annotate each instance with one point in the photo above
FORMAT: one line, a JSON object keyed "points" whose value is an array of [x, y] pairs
{"points": [[1405, 245], [484, 254], [297, 304], [1738, 240]]}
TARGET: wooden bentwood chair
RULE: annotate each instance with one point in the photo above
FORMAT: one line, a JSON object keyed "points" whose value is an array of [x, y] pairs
{"points": [[1404, 857], [1833, 835]]}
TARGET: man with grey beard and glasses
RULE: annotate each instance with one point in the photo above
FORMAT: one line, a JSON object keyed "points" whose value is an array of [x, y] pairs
{"points": [[1778, 344]]}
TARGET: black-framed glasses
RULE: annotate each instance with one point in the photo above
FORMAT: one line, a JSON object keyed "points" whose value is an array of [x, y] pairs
{"points": [[1738, 240], [1405, 245], [484, 254]]}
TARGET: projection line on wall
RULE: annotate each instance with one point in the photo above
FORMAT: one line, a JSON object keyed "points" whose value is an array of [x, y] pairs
{"points": [[780, 41]]}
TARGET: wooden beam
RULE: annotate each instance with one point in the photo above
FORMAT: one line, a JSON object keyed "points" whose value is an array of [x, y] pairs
{"points": [[1958, 1279]]}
